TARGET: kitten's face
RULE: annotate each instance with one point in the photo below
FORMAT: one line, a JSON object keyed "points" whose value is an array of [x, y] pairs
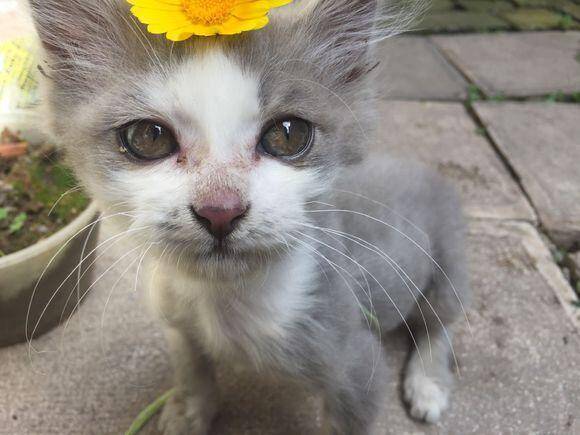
{"points": [[212, 148]]}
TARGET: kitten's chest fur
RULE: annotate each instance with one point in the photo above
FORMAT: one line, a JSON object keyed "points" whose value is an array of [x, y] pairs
{"points": [[248, 319]]}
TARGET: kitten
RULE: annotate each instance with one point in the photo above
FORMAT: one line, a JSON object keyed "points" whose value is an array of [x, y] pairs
{"points": [[275, 236]]}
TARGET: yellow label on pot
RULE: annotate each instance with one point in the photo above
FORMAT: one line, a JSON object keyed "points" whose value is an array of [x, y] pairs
{"points": [[18, 69]]}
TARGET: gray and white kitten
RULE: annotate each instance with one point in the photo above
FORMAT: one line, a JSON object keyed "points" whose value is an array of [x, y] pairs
{"points": [[242, 167]]}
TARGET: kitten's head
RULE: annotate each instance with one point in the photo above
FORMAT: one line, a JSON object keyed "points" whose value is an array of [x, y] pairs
{"points": [[213, 146]]}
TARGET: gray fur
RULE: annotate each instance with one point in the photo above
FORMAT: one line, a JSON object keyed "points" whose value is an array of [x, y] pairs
{"points": [[373, 235]]}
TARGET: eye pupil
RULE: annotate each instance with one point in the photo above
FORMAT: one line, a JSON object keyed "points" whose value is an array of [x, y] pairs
{"points": [[288, 138], [147, 140]]}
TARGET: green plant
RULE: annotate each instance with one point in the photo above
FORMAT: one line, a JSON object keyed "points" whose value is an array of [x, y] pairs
{"points": [[556, 97], [474, 93], [18, 223], [559, 255], [148, 413], [481, 131], [3, 213], [498, 97], [566, 22]]}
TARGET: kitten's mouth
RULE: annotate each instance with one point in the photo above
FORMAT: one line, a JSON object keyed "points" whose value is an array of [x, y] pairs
{"points": [[221, 248]]}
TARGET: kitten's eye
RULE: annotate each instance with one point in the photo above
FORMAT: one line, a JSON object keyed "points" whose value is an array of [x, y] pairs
{"points": [[287, 138], [147, 140]]}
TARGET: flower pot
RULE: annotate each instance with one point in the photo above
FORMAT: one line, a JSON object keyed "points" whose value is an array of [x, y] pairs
{"points": [[30, 280], [39, 285]]}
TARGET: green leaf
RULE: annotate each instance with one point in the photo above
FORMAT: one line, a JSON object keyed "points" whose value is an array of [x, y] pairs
{"points": [[18, 223], [475, 93], [3, 213], [566, 22], [148, 413], [371, 318], [556, 97]]}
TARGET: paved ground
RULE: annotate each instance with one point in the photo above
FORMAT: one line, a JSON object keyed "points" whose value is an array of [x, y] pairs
{"points": [[494, 15], [515, 163]]}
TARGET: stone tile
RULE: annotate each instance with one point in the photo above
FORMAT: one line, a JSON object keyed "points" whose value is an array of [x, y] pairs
{"points": [[410, 68], [441, 5], [518, 364], [534, 19], [540, 141], [464, 21], [509, 371], [571, 9], [536, 3], [517, 64], [491, 6], [444, 136]]}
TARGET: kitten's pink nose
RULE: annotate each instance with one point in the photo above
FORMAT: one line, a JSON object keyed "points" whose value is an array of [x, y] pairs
{"points": [[220, 217]]}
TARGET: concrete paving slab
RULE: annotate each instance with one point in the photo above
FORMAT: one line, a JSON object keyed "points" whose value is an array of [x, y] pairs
{"points": [[441, 5], [462, 21], [492, 6], [534, 19], [518, 363], [511, 381], [571, 9], [541, 142], [444, 136], [517, 64], [542, 3], [413, 69]]}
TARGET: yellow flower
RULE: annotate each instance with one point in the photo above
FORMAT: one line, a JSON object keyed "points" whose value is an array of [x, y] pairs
{"points": [[180, 19]]}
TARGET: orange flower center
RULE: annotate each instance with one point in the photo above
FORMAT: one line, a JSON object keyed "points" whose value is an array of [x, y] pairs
{"points": [[208, 12]]}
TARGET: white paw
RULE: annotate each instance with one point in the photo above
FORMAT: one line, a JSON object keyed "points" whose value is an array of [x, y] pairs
{"points": [[185, 416], [426, 399]]}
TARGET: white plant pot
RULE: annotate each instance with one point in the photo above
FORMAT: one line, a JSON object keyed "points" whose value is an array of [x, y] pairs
{"points": [[30, 278]]}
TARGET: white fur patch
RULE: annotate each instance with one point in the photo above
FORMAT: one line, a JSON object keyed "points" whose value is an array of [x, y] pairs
{"points": [[251, 318], [214, 106], [426, 398]]}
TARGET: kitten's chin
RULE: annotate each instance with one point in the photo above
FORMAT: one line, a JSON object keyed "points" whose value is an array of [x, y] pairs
{"points": [[225, 261]]}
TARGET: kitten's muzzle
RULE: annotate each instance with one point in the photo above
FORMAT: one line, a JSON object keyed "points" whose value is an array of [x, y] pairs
{"points": [[220, 221]]}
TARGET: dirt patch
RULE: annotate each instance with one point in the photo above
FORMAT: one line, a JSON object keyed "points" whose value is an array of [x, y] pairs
{"points": [[38, 195], [471, 174]]}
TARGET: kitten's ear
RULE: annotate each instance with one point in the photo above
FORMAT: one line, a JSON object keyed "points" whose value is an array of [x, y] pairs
{"points": [[76, 34], [342, 31]]}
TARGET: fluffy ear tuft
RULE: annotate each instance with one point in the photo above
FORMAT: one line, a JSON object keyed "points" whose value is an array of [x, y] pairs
{"points": [[80, 37], [343, 31]]}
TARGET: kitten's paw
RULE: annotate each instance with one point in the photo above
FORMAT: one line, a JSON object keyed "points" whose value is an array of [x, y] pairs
{"points": [[426, 398], [186, 416]]}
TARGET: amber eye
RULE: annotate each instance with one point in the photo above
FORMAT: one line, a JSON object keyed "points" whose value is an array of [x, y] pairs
{"points": [[290, 137], [147, 140]]}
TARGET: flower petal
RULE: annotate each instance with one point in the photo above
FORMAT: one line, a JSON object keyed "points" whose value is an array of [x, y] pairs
{"points": [[172, 17]]}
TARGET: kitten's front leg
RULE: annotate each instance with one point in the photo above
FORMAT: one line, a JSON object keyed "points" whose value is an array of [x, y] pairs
{"points": [[193, 407], [354, 386]]}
